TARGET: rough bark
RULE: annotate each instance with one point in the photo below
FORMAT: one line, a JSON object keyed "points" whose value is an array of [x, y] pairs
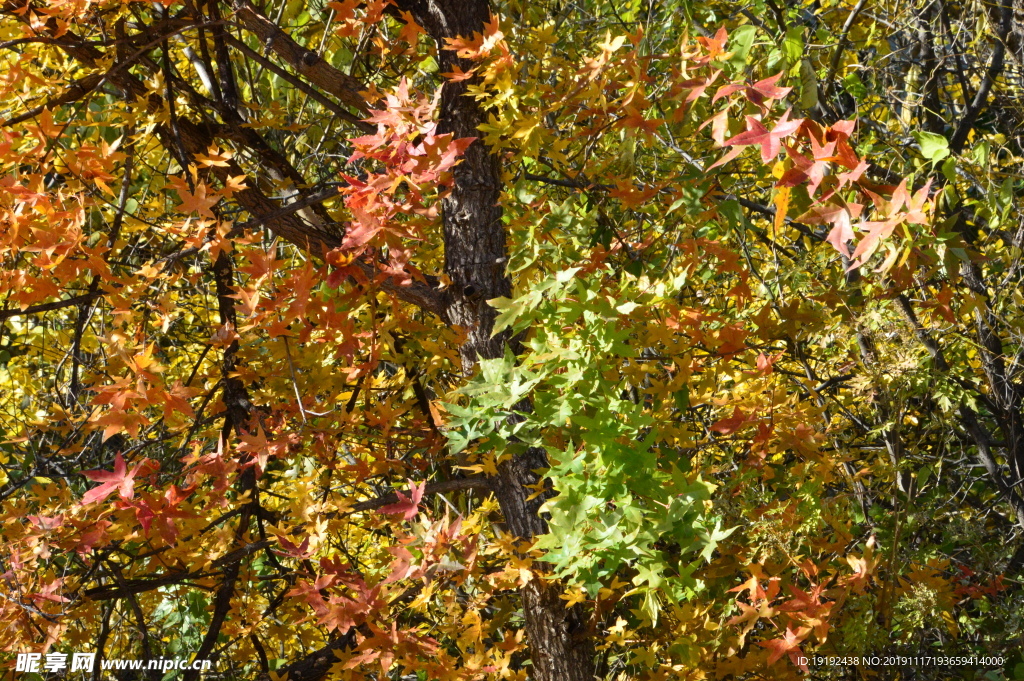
{"points": [[475, 257]]}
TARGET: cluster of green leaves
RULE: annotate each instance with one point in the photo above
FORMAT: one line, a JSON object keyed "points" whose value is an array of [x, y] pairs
{"points": [[626, 497]]}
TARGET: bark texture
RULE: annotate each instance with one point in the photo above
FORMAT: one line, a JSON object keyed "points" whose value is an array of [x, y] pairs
{"points": [[475, 257]]}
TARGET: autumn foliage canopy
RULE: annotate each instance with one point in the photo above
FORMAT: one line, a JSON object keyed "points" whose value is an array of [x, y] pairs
{"points": [[451, 340]]}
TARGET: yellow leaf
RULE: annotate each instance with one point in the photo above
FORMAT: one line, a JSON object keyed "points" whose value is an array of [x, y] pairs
{"points": [[574, 597], [214, 158]]}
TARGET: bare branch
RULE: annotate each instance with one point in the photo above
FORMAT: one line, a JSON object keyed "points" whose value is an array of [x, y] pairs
{"points": [[306, 63], [431, 488]]}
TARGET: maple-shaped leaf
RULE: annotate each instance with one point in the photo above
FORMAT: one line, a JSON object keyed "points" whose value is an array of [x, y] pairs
{"points": [[161, 509], [766, 90], [838, 215], [407, 506], [120, 480], [731, 424], [199, 201], [457, 74], [942, 304], [340, 614], [752, 585], [232, 184], [635, 119], [853, 175], [765, 362], [840, 133], [361, 231], [48, 593], [698, 86], [750, 615], [47, 126], [256, 448], [726, 90], [719, 127], [810, 604], [95, 534], [403, 566], [841, 234], [787, 645], [715, 46], [758, 93], [480, 44], [747, 617], [214, 158], [410, 29], [863, 566], [877, 231], [770, 141], [916, 204], [144, 512], [292, 549], [810, 170]]}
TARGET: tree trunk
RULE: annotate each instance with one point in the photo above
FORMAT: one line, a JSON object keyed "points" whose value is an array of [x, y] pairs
{"points": [[475, 260]]}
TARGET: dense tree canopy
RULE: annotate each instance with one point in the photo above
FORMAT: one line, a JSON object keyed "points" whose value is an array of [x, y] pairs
{"points": [[456, 339]]}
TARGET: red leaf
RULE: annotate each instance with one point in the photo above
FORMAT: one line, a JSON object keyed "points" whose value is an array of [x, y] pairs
{"points": [[407, 506], [842, 234], [361, 231], [788, 645], [292, 549], [730, 425], [764, 362], [770, 141], [46, 524], [766, 89], [869, 244], [120, 480]]}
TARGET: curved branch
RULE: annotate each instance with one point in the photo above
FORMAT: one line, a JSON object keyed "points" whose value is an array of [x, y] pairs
{"points": [[306, 63], [431, 488], [315, 665], [74, 301], [995, 67]]}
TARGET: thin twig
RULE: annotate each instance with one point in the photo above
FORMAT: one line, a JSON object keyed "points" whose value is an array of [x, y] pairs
{"points": [[844, 40]]}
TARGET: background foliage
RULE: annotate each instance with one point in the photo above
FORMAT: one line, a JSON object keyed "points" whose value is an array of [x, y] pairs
{"points": [[764, 326]]}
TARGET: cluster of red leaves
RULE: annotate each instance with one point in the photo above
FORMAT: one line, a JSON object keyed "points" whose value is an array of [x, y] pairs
{"points": [[415, 164]]}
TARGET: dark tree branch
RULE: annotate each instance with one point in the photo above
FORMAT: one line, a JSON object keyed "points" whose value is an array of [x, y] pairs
{"points": [[844, 41], [306, 63], [431, 488], [995, 68], [300, 84], [314, 666], [74, 301]]}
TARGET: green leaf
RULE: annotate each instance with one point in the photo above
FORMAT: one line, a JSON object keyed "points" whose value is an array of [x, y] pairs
{"points": [[740, 42], [711, 539], [855, 86], [949, 172], [511, 311], [808, 85], [793, 45], [933, 147], [981, 151]]}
